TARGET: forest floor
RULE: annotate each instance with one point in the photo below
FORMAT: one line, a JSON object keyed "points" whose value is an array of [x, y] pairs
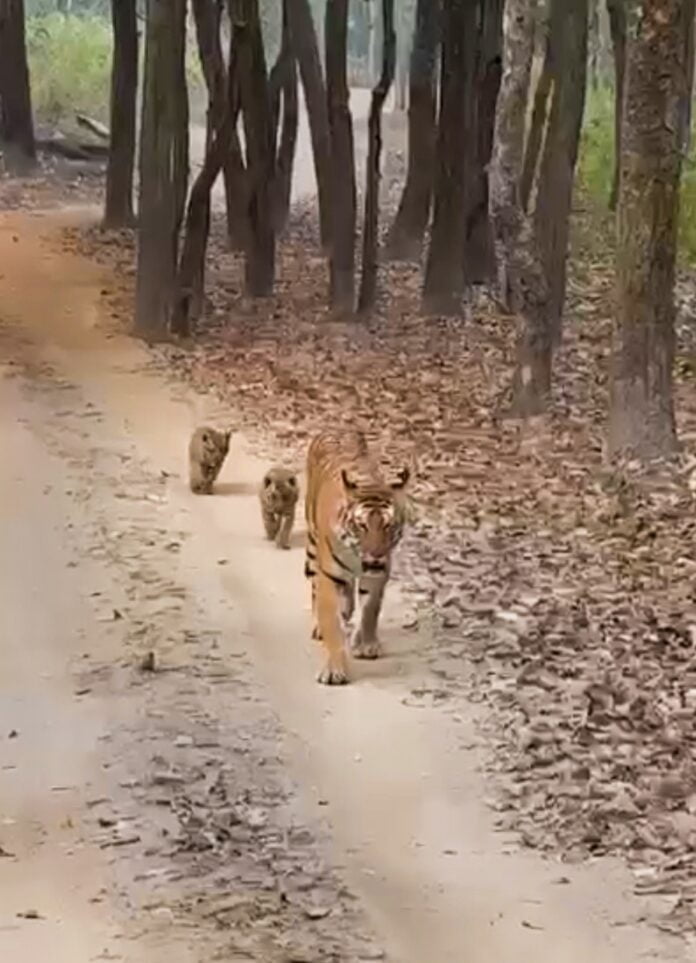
{"points": [[514, 782]]}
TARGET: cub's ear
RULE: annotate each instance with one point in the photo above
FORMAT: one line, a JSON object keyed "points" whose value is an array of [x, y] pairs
{"points": [[350, 486], [266, 481], [292, 481], [227, 435], [401, 479]]}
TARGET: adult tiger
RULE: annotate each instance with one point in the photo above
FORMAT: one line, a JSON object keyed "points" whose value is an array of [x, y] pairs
{"points": [[355, 519]]}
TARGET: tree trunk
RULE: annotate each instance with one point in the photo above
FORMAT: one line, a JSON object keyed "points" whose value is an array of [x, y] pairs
{"points": [[406, 235], [260, 146], [191, 276], [164, 134], [444, 274], [617, 24], [641, 423], [479, 257], [557, 172], [283, 84], [687, 100], [207, 17], [343, 199], [304, 42], [16, 121], [522, 281], [118, 210], [537, 126], [368, 285]]}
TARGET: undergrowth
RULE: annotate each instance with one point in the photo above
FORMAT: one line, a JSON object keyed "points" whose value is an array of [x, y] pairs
{"points": [[596, 166]]}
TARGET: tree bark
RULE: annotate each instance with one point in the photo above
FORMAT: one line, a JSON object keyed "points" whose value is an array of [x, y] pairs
{"points": [[405, 239], [479, 257], [16, 120], [283, 86], [444, 274], [260, 146], [207, 17], [557, 171], [641, 423], [343, 194], [617, 25], [304, 42], [368, 285], [687, 100], [118, 209], [537, 126], [522, 281], [191, 275], [163, 168]]}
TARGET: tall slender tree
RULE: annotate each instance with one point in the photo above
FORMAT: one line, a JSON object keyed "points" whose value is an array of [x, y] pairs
{"points": [[306, 49], [642, 423], [444, 274], [406, 235], [163, 166], [521, 277], [260, 146], [368, 284], [124, 88], [343, 192], [16, 119], [618, 27]]}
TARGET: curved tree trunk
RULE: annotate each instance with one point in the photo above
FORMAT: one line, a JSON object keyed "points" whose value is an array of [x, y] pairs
{"points": [[343, 199], [190, 291], [479, 258], [163, 167], [283, 85], [444, 274], [557, 171], [16, 120], [642, 424], [617, 24], [304, 43], [537, 126], [260, 146], [522, 282], [405, 238], [368, 284], [118, 209]]}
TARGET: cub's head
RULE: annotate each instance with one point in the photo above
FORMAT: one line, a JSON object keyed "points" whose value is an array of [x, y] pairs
{"points": [[373, 519], [216, 444], [279, 488]]}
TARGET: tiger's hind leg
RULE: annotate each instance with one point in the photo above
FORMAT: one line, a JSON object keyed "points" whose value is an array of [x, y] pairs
{"points": [[347, 604], [329, 621], [365, 641], [285, 524]]}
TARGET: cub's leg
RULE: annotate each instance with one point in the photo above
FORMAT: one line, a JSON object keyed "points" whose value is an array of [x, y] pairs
{"points": [[365, 642], [271, 522], [285, 528], [328, 610]]}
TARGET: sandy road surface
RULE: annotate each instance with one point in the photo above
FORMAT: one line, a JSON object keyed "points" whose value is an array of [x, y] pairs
{"points": [[354, 823]]}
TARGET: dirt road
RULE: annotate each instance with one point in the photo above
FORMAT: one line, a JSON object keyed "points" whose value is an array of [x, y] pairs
{"points": [[223, 806]]}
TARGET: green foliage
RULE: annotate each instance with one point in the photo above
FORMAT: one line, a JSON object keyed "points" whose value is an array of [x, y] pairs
{"points": [[596, 166], [70, 64], [596, 157]]}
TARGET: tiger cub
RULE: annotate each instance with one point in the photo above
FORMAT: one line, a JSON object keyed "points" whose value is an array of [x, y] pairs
{"points": [[208, 449], [355, 519], [278, 496]]}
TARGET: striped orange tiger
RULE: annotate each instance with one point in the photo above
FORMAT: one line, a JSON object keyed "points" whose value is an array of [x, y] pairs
{"points": [[355, 519]]}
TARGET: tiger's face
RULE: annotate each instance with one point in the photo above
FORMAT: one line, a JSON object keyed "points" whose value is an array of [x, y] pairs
{"points": [[373, 522]]}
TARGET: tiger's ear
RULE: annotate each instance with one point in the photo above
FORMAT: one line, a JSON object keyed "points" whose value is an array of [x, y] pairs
{"points": [[228, 435], [350, 486], [401, 479]]}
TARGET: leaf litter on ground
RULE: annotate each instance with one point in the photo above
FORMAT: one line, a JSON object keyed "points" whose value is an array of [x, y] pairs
{"points": [[564, 588]]}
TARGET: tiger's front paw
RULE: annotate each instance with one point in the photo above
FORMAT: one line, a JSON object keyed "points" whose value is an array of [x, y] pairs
{"points": [[364, 649], [335, 672]]}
